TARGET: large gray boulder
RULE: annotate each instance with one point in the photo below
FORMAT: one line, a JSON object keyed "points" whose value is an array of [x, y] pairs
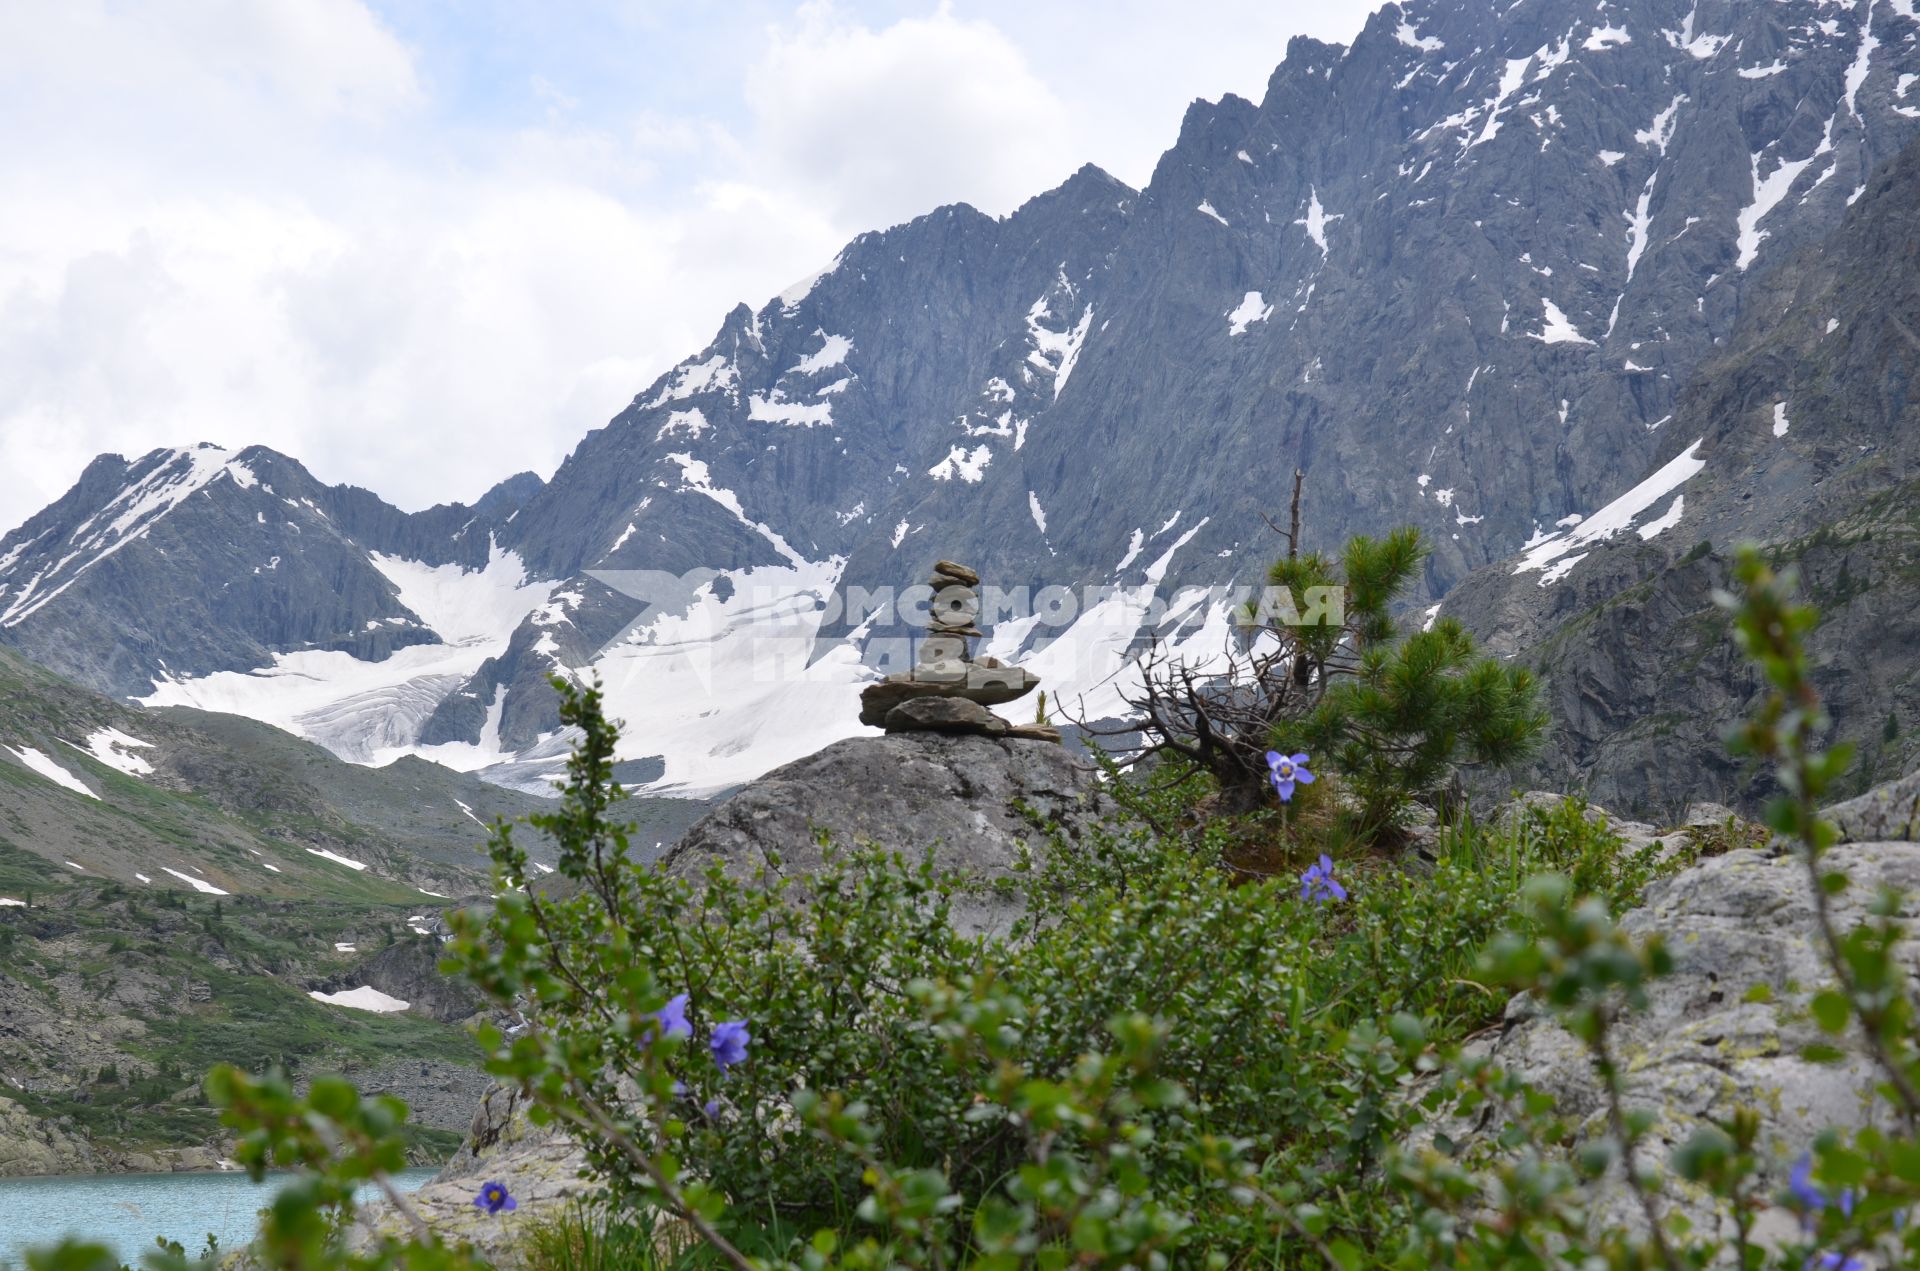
{"points": [[540, 1166], [1705, 1045], [960, 797], [1884, 813]]}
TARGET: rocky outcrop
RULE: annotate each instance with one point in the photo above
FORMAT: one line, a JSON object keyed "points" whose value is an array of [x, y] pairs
{"points": [[1728, 1028], [539, 1166], [965, 799], [30, 1146], [1888, 812], [409, 970]]}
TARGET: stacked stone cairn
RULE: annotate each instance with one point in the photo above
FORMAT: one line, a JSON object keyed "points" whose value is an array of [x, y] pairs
{"points": [[949, 690]]}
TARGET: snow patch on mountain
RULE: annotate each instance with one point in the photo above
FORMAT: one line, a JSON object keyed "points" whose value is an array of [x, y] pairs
{"points": [[1767, 194], [689, 423], [968, 465], [716, 374], [43, 764], [730, 686], [1055, 352], [116, 750], [1617, 515], [832, 352], [1408, 36], [1316, 220], [1666, 520], [372, 712], [198, 884], [1659, 133], [1863, 60], [463, 606], [364, 998], [792, 296], [1559, 328], [1251, 309], [695, 476], [1511, 79], [774, 409]]}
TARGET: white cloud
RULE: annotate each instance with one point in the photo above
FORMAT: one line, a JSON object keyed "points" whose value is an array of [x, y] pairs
{"points": [[884, 125], [278, 221]]}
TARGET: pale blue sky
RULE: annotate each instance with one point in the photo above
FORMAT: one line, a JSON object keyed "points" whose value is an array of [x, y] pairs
{"points": [[418, 243]]}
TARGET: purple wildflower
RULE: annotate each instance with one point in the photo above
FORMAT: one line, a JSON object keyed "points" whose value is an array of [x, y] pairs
{"points": [[729, 1044], [1812, 1199], [673, 1018], [494, 1197], [1284, 771], [1319, 885]]}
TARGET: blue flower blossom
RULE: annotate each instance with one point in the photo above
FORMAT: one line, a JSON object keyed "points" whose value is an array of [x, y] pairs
{"points": [[1284, 771], [1836, 1262], [729, 1043], [1319, 885], [1811, 1198], [494, 1197], [712, 1108], [673, 1018]]}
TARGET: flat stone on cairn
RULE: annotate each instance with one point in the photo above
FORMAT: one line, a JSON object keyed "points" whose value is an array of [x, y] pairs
{"points": [[947, 691], [945, 571]]}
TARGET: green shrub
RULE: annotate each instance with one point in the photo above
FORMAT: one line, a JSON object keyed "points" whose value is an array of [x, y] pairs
{"points": [[854, 980], [1160, 1067], [1394, 712]]}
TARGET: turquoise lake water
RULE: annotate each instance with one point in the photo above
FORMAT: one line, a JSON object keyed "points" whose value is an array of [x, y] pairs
{"points": [[126, 1211]]}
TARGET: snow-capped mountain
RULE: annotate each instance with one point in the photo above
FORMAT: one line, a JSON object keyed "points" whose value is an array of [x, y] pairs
{"points": [[1456, 272], [186, 565]]}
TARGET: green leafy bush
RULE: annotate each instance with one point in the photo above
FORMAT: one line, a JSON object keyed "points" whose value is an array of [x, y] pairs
{"points": [[1159, 1067]]}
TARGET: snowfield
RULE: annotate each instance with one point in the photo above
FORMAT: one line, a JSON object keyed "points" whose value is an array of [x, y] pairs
{"points": [[41, 763], [1619, 515], [372, 712], [363, 998]]}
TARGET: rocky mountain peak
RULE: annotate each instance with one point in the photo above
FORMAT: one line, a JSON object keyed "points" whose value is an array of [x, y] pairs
{"points": [[1458, 273]]}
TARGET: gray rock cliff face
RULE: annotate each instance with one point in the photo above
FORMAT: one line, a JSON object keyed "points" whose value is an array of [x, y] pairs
{"points": [[1888, 812], [1456, 272], [31, 1146], [1802, 435]]}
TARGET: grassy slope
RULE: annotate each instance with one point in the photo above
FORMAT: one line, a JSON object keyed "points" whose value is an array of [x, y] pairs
{"points": [[153, 982], [155, 988]]}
